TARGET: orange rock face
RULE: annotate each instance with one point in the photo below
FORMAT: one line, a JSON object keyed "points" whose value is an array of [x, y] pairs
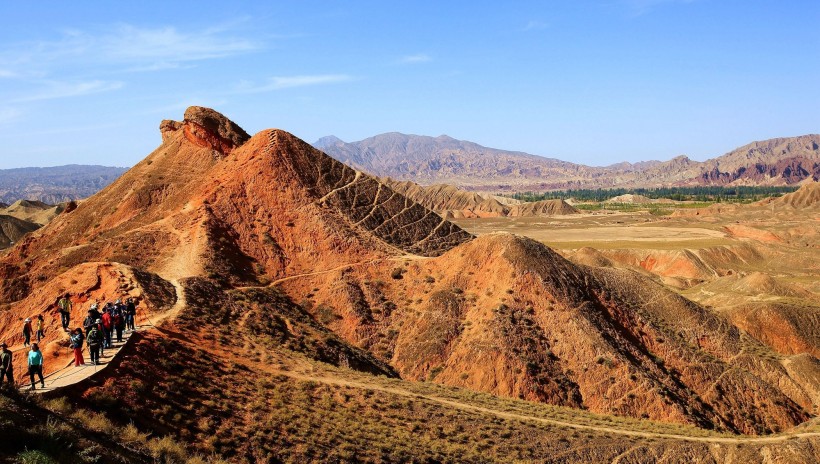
{"points": [[508, 316]]}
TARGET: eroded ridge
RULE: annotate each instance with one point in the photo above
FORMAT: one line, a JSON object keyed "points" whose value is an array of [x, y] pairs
{"points": [[368, 203]]}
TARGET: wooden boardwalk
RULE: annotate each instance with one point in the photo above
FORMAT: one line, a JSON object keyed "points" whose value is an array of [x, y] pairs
{"points": [[70, 374]]}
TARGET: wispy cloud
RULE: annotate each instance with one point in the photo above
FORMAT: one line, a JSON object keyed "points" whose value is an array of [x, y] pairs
{"points": [[286, 82], [170, 46], [413, 59], [535, 26], [80, 62], [55, 89], [126, 47]]}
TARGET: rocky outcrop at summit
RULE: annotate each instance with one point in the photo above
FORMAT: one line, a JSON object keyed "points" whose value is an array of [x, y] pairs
{"points": [[207, 128]]}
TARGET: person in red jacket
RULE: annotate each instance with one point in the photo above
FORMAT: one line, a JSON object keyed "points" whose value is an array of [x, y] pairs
{"points": [[77, 345], [108, 327]]}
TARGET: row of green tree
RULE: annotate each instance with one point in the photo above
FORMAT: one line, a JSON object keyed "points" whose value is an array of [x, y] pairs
{"points": [[740, 194]]}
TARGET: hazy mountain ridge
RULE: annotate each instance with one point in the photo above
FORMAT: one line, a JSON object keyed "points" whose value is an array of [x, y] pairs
{"points": [[468, 165], [55, 184], [439, 159], [429, 160]]}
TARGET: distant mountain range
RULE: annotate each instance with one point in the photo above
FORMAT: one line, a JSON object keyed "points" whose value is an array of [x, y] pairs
{"points": [[55, 184], [430, 160], [445, 160]]}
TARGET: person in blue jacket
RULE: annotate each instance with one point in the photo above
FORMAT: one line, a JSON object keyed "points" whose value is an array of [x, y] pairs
{"points": [[35, 365]]}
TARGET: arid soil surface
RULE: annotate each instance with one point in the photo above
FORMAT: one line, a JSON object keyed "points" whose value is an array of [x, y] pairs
{"points": [[757, 265], [603, 230]]}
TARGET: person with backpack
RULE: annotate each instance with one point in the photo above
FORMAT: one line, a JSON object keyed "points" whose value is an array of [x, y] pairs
{"points": [[95, 313], [77, 345], [27, 332], [89, 320], [130, 314], [40, 328], [6, 366], [119, 322], [65, 307], [35, 365], [108, 327], [95, 339]]}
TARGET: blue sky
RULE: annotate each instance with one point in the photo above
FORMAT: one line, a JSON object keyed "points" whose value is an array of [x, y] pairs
{"points": [[594, 82]]}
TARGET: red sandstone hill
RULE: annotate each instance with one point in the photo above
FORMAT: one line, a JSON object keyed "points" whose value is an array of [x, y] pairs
{"points": [[212, 199], [372, 280]]}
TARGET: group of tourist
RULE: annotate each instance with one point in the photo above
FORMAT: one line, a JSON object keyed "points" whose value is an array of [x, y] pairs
{"points": [[98, 332], [99, 329]]}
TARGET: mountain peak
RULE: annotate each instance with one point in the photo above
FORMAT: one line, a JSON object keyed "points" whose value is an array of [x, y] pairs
{"points": [[327, 141], [206, 127]]}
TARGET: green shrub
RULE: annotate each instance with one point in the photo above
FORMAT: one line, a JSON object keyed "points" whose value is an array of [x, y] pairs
{"points": [[34, 457]]}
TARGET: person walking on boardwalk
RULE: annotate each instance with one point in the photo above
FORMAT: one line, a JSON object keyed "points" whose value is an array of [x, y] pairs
{"points": [[118, 319], [6, 366], [95, 339], [130, 314], [40, 324], [91, 319], [108, 327], [77, 346], [94, 311], [65, 307], [27, 332], [35, 365]]}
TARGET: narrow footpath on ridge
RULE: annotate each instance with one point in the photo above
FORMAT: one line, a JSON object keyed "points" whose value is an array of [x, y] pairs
{"points": [[71, 374]]}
